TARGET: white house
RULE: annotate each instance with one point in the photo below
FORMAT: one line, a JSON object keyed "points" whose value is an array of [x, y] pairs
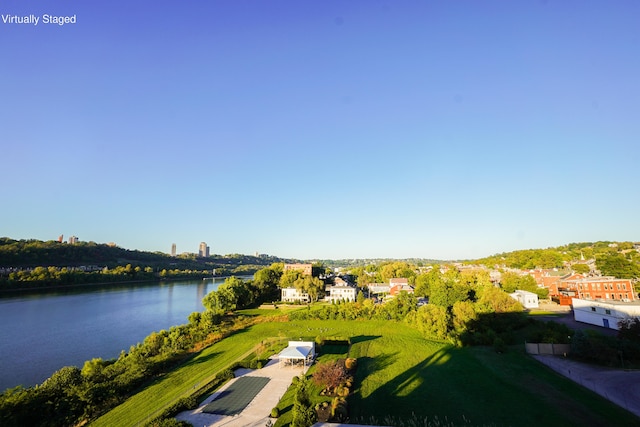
{"points": [[340, 293], [294, 295], [296, 352], [604, 313], [526, 298]]}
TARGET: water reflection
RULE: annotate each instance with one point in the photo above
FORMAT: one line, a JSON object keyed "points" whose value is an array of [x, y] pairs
{"points": [[44, 332]]}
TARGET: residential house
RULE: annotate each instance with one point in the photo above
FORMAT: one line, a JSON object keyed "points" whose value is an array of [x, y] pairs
{"points": [[398, 281], [294, 295], [526, 298], [340, 293]]}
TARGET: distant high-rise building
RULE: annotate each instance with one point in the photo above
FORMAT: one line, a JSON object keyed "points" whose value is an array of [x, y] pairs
{"points": [[61, 238], [173, 249], [73, 240], [204, 250]]}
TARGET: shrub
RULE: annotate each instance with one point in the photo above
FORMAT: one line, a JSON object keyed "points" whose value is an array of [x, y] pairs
{"points": [[339, 411], [330, 374], [350, 363], [275, 412], [499, 346]]}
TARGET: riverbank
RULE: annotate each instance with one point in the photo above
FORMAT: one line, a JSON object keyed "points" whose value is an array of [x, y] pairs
{"points": [[89, 285]]}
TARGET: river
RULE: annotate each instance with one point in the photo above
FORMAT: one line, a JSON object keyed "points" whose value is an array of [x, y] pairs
{"points": [[40, 333]]}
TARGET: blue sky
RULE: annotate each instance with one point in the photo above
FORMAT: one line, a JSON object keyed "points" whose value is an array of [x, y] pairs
{"points": [[322, 129]]}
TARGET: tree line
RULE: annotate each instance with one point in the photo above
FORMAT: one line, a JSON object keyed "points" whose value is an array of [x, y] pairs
{"points": [[28, 254]]}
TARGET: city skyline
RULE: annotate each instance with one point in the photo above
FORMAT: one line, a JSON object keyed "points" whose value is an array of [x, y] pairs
{"points": [[323, 130]]}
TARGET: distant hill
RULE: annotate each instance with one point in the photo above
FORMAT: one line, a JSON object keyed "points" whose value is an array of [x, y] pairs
{"points": [[32, 253], [619, 259]]}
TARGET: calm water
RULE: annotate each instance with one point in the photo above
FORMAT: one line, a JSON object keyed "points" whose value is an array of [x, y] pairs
{"points": [[39, 334]]}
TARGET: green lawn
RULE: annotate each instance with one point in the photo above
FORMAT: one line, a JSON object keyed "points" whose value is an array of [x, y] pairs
{"points": [[399, 374]]}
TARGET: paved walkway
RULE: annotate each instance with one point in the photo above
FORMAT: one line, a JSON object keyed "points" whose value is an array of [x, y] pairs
{"points": [[257, 412], [619, 386]]}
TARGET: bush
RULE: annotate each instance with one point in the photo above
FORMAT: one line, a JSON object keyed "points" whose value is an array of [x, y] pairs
{"points": [[275, 412], [350, 363], [339, 410], [499, 346]]}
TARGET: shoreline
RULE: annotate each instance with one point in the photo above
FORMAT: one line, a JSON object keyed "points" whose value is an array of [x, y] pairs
{"points": [[19, 291]]}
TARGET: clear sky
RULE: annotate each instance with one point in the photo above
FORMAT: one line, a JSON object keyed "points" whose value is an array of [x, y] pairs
{"points": [[322, 129]]}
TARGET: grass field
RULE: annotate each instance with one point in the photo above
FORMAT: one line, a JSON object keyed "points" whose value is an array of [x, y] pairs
{"points": [[400, 374]]}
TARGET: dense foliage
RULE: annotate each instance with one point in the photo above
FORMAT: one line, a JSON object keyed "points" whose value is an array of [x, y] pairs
{"points": [[619, 265], [619, 259]]}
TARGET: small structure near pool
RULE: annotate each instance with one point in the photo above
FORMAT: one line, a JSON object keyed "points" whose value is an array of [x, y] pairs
{"points": [[298, 352]]}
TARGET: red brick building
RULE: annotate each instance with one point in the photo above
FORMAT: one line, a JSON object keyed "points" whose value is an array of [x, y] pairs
{"points": [[306, 269], [600, 288]]}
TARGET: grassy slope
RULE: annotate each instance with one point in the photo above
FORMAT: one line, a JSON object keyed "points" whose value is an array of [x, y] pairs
{"points": [[401, 373]]}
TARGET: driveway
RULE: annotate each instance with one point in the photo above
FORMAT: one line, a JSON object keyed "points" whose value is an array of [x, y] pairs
{"points": [[257, 412], [619, 386]]}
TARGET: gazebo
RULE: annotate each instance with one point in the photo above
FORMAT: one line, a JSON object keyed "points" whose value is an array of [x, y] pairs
{"points": [[298, 351]]}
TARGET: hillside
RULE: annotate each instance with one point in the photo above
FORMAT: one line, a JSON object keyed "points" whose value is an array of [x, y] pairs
{"points": [[27, 254], [620, 259]]}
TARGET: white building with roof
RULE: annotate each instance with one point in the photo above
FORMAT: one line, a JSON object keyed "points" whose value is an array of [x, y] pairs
{"points": [[606, 314], [298, 352], [526, 298], [293, 295], [340, 293]]}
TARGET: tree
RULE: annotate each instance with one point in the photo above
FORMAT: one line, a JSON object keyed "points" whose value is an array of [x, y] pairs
{"points": [[580, 268], [422, 286], [397, 269], [312, 286], [462, 313], [447, 292], [629, 329], [495, 300], [401, 305], [330, 375], [618, 266], [289, 277], [433, 321], [303, 413], [511, 282]]}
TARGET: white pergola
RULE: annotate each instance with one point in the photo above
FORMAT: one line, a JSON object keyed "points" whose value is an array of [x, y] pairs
{"points": [[297, 351]]}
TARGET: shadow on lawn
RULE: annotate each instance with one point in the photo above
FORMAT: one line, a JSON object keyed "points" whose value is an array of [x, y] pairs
{"points": [[471, 386], [422, 389], [363, 338]]}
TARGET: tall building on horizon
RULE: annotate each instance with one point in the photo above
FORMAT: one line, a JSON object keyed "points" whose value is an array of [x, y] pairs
{"points": [[73, 240], [173, 249], [204, 250]]}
